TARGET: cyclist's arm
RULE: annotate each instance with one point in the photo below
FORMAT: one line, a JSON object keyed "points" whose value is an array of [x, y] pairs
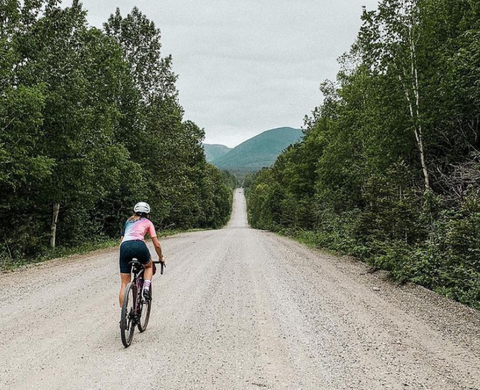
{"points": [[158, 248]]}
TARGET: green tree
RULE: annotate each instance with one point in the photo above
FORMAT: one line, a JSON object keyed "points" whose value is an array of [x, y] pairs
{"points": [[388, 42], [388, 169], [90, 123]]}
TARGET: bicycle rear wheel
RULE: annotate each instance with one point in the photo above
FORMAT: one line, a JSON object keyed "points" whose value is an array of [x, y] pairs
{"points": [[145, 308], [127, 321]]}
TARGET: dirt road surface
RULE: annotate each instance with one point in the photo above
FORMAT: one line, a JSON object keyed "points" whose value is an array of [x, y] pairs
{"points": [[237, 309]]}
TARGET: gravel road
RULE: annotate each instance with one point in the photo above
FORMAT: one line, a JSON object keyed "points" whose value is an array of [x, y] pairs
{"points": [[237, 309]]}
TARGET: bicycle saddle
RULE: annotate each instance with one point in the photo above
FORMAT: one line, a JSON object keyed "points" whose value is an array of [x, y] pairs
{"points": [[135, 263]]}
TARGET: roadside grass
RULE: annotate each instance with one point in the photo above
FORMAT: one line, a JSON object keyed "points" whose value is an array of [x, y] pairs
{"points": [[428, 265], [7, 264], [310, 240]]}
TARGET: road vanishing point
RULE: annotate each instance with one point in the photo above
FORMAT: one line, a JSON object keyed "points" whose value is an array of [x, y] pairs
{"points": [[237, 308]]}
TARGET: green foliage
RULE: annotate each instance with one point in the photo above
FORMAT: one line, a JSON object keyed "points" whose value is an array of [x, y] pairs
{"points": [[388, 170], [217, 197], [93, 131]]}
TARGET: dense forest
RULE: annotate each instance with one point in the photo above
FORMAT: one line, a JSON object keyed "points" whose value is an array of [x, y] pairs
{"points": [[90, 124], [389, 168]]}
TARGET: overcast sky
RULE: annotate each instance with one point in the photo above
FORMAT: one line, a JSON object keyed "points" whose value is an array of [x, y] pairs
{"points": [[247, 66]]}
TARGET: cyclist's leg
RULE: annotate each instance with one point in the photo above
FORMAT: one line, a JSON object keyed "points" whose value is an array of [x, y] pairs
{"points": [[125, 268], [146, 259], [148, 274], [125, 280]]}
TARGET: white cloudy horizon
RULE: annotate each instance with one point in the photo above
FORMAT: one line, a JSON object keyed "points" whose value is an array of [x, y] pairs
{"points": [[250, 66]]}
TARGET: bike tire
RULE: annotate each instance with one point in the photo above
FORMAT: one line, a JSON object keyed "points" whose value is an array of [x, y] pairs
{"points": [[127, 320], [146, 307]]}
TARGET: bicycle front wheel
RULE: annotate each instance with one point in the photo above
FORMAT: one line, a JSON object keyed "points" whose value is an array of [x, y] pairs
{"points": [[145, 308], [127, 321]]}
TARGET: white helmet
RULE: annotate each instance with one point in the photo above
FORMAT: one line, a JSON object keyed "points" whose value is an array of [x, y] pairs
{"points": [[142, 207]]}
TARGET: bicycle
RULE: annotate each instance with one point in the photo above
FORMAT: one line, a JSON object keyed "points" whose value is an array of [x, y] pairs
{"points": [[135, 309]]}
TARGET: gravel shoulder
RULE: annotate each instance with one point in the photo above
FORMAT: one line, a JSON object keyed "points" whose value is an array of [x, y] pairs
{"points": [[237, 308]]}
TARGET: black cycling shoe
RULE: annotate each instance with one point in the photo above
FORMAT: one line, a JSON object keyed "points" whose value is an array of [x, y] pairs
{"points": [[147, 295]]}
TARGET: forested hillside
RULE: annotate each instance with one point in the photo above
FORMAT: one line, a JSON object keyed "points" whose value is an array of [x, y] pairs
{"points": [[259, 151], [90, 124], [214, 151], [389, 169]]}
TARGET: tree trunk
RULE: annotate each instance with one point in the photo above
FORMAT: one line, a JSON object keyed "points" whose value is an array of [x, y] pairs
{"points": [[56, 210], [414, 104], [418, 130], [418, 134]]}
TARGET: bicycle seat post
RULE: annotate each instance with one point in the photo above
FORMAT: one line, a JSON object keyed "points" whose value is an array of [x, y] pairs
{"points": [[136, 266]]}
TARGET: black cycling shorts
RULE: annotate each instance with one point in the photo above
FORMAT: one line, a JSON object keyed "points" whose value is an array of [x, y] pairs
{"points": [[133, 249]]}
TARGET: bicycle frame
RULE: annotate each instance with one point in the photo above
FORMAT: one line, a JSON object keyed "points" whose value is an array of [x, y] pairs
{"points": [[137, 270]]}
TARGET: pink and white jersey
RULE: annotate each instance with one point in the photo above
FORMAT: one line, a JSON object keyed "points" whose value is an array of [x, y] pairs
{"points": [[137, 230]]}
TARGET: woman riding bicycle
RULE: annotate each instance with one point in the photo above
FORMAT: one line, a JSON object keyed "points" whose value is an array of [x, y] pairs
{"points": [[133, 246]]}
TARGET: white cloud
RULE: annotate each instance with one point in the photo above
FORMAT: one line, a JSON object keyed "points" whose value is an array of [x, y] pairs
{"points": [[248, 66]]}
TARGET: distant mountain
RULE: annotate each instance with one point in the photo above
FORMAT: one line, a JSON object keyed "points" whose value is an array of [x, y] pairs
{"points": [[259, 151], [215, 151]]}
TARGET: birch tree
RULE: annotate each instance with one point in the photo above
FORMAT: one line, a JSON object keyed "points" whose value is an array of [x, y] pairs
{"points": [[388, 42]]}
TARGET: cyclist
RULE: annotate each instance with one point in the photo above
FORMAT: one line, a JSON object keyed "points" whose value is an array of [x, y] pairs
{"points": [[133, 245]]}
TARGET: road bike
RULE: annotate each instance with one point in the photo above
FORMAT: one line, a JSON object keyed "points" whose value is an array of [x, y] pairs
{"points": [[136, 309]]}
